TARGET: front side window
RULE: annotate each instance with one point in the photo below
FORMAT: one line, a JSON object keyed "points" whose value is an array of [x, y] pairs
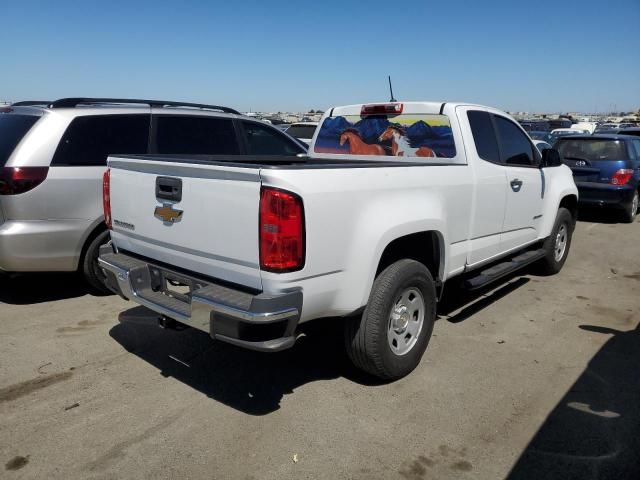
{"points": [[191, 135], [404, 135], [263, 140], [515, 148], [484, 135], [89, 140]]}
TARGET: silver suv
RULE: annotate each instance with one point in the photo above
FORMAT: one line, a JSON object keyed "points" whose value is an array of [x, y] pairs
{"points": [[53, 156]]}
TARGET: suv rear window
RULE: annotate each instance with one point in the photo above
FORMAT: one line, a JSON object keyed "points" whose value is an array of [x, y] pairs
{"points": [[592, 149], [405, 135], [89, 140], [189, 135], [13, 128]]}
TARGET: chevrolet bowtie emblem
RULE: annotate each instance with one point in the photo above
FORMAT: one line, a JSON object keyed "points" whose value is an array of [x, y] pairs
{"points": [[168, 214]]}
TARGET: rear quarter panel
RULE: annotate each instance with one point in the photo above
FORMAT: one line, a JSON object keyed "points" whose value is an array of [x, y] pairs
{"points": [[351, 215]]}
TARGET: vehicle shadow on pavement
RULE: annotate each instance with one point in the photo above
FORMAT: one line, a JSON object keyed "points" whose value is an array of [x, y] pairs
{"points": [[600, 215], [31, 288], [251, 382], [594, 431], [458, 304]]}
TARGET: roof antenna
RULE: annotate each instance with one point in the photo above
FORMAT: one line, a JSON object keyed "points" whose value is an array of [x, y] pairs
{"points": [[391, 90]]}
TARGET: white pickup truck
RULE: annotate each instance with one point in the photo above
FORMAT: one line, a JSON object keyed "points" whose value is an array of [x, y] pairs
{"points": [[392, 202]]}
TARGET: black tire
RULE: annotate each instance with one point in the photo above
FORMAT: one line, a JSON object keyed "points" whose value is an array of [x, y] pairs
{"points": [[550, 265], [366, 336], [89, 268], [631, 210]]}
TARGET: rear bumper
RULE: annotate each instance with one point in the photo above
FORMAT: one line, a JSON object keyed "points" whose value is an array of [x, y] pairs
{"points": [[602, 194], [255, 321]]}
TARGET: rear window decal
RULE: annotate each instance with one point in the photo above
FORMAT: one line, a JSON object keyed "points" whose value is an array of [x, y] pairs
{"points": [[409, 135]]}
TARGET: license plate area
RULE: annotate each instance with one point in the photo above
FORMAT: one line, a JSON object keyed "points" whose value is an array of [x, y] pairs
{"points": [[172, 284], [177, 287]]}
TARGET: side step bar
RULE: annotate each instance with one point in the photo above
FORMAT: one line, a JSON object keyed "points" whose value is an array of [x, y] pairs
{"points": [[499, 270]]}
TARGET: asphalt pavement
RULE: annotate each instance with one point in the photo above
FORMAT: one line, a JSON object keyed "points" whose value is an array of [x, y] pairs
{"points": [[537, 377]]}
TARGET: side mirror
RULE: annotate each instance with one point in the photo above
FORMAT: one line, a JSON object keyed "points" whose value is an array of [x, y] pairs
{"points": [[550, 158]]}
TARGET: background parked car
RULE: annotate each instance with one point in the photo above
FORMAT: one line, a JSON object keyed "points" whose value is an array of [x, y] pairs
{"points": [[535, 125], [634, 131], [606, 169], [539, 135], [612, 127], [562, 132], [303, 131], [53, 156]]}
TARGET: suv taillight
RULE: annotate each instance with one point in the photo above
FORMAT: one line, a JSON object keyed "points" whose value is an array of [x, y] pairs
{"points": [[622, 176], [15, 180], [106, 197], [281, 231]]}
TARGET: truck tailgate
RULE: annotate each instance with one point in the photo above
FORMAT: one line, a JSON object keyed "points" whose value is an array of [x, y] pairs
{"points": [[212, 229]]}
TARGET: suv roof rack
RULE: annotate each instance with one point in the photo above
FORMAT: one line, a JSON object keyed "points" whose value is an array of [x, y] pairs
{"points": [[74, 102], [30, 103]]}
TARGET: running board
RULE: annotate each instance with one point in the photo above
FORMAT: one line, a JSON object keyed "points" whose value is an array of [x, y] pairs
{"points": [[499, 270]]}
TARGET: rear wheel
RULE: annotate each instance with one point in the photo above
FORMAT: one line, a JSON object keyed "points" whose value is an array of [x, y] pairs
{"points": [[90, 269], [632, 209], [390, 337], [558, 243]]}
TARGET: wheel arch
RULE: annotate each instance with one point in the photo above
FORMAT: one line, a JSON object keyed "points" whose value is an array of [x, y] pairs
{"points": [[426, 247], [96, 229], [570, 202]]}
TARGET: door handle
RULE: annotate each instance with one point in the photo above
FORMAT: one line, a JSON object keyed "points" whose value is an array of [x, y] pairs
{"points": [[516, 185], [169, 188]]}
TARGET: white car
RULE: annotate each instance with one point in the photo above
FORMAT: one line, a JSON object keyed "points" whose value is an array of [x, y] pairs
{"points": [[393, 202], [570, 131], [303, 131]]}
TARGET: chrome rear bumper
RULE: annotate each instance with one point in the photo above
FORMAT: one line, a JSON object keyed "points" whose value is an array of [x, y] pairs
{"points": [[251, 320]]}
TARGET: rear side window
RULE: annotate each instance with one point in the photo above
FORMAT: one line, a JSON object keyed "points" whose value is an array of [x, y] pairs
{"points": [[636, 145], [515, 147], [484, 135], [89, 140], [12, 129], [189, 135], [263, 140]]}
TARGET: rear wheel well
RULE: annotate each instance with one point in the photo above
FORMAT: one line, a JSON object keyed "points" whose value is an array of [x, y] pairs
{"points": [[423, 247], [570, 202]]}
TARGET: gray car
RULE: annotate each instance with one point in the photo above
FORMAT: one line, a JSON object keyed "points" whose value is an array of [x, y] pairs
{"points": [[53, 157]]}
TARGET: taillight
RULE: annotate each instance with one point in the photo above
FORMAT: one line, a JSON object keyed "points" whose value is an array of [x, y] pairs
{"points": [[15, 180], [383, 108], [106, 197], [622, 176], [281, 231]]}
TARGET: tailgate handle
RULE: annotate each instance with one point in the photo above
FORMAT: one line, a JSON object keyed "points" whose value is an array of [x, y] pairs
{"points": [[169, 188]]}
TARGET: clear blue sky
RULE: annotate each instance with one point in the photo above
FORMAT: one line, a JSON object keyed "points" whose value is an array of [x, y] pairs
{"points": [[296, 55]]}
